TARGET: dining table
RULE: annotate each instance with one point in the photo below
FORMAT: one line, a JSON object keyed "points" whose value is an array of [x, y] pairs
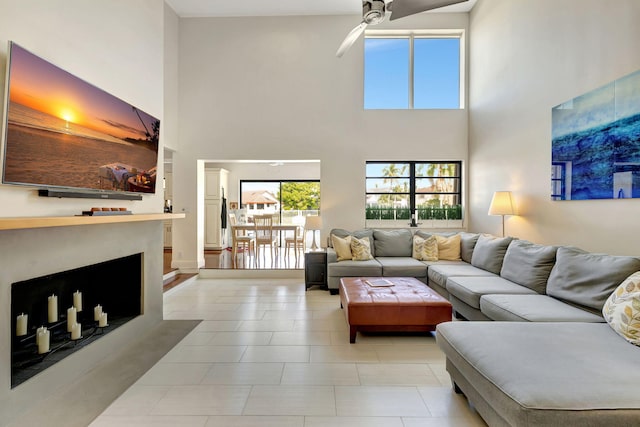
{"points": [[276, 227]]}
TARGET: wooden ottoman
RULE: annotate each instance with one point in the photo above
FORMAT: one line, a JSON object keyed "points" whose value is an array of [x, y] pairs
{"points": [[406, 305]]}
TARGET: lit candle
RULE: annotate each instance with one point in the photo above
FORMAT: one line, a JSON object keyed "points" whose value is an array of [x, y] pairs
{"points": [[77, 301], [42, 340], [103, 320], [76, 331], [97, 311], [53, 308], [71, 318], [21, 325]]}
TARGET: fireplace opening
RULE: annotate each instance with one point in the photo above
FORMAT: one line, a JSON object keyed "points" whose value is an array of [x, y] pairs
{"points": [[54, 316]]}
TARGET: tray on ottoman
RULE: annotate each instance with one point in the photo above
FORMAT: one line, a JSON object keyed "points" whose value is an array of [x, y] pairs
{"points": [[402, 304]]}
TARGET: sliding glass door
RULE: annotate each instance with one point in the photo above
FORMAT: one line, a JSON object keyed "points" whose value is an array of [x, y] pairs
{"points": [[291, 201]]}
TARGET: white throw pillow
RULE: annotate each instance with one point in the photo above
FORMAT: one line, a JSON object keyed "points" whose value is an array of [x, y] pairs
{"points": [[622, 309]]}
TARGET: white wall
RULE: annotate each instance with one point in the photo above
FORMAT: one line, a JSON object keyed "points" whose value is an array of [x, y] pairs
{"points": [[114, 45], [117, 45], [171, 56], [272, 88], [527, 57]]}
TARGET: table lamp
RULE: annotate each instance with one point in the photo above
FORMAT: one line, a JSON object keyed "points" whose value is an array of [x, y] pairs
{"points": [[313, 223], [501, 204]]}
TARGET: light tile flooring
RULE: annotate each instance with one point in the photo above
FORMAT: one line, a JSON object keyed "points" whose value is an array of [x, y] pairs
{"points": [[270, 354]]}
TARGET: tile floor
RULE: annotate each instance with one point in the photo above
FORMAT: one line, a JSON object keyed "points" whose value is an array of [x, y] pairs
{"points": [[270, 354]]}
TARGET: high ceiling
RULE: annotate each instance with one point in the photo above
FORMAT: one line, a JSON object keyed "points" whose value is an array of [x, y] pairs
{"points": [[222, 8]]}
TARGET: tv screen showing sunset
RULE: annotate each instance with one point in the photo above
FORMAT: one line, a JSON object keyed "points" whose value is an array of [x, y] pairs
{"points": [[64, 132]]}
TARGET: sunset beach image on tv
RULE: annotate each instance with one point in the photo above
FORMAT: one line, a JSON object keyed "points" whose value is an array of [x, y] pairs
{"points": [[64, 132]]}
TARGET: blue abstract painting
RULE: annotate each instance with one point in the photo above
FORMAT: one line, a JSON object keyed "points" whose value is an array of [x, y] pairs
{"points": [[596, 143]]}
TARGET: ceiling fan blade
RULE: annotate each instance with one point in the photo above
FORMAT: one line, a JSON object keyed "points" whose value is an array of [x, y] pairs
{"points": [[351, 39], [402, 8]]}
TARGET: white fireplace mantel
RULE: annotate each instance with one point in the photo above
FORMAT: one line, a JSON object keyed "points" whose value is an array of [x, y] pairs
{"points": [[65, 221]]}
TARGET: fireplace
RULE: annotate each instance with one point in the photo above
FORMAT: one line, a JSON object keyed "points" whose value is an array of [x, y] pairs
{"points": [[56, 315]]}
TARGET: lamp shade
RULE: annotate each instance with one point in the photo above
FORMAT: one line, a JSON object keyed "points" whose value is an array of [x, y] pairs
{"points": [[313, 223], [501, 203]]}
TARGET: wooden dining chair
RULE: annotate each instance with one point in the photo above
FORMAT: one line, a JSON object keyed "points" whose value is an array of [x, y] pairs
{"points": [[265, 235], [296, 242], [240, 240]]}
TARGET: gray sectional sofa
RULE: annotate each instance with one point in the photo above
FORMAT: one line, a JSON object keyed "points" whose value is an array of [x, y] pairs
{"points": [[548, 358]]}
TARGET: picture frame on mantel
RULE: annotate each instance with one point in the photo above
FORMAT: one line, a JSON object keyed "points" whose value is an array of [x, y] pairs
{"points": [[596, 143]]}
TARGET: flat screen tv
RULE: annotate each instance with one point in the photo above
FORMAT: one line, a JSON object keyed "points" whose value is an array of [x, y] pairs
{"points": [[62, 132]]}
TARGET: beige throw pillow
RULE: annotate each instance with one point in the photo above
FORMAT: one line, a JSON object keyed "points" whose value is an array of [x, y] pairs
{"points": [[430, 251], [425, 249], [622, 309], [342, 246], [418, 244], [360, 249], [449, 247]]}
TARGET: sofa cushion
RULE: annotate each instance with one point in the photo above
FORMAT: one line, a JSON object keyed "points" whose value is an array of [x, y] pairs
{"points": [[588, 279], [425, 249], [545, 374], [393, 242], [358, 233], [533, 308], [342, 246], [402, 267], [467, 244], [489, 252], [440, 272], [529, 264], [351, 268], [360, 249], [470, 289], [622, 309]]}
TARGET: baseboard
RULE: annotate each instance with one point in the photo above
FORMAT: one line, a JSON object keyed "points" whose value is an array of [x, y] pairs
{"points": [[220, 273]]}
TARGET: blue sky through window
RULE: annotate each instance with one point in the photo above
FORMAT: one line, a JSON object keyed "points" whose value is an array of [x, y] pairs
{"points": [[436, 73], [436, 78], [386, 73]]}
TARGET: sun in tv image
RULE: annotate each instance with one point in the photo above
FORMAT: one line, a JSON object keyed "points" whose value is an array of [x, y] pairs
{"points": [[64, 132]]}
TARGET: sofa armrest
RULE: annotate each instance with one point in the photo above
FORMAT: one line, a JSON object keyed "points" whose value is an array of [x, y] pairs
{"points": [[331, 255]]}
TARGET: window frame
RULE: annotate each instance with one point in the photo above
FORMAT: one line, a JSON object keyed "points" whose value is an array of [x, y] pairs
{"points": [[413, 193], [422, 34]]}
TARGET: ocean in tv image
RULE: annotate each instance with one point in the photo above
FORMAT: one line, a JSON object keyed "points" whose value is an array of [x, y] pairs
{"points": [[596, 143], [63, 132]]}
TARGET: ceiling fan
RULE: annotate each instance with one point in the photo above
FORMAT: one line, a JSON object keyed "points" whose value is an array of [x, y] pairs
{"points": [[375, 11]]}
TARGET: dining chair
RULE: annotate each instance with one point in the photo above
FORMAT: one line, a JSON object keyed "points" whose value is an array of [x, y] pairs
{"points": [[240, 240], [265, 235], [296, 242]]}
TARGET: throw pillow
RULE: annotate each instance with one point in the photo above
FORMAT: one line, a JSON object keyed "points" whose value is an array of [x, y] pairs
{"points": [[622, 309], [425, 249], [430, 249], [448, 247], [489, 252], [342, 246], [418, 244], [360, 234], [360, 249]]}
